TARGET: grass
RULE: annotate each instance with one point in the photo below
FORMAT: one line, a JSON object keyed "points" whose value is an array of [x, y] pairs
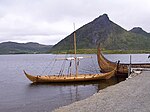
{"points": [[94, 51]]}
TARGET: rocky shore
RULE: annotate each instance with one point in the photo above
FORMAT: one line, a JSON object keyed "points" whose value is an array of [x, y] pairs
{"points": [[131, 95]]}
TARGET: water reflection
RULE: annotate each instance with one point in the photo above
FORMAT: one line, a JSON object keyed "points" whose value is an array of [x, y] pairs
{"points": [[18, 95], [101, 84], [60, 94]]}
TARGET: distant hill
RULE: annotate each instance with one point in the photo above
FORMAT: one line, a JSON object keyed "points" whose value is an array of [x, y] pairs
{"points": [[21, 48], [140, 31], [102, 31]]}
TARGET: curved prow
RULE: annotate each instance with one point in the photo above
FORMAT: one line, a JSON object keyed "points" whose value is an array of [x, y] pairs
{"points": [[104, 64], [30, 77], [107, 66]]}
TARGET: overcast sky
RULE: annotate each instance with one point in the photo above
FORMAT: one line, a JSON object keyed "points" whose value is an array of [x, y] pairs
{"points": [[49, 21]]}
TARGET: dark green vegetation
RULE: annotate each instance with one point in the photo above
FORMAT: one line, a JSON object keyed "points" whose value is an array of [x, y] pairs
{"points": [[79, 51], [22, 48], [94, 51], [101, 31], [108, 35]]}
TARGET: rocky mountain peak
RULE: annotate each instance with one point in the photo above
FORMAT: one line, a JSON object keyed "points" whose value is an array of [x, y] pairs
{"points": [[139, 30], [103, 19], [108, 34]]}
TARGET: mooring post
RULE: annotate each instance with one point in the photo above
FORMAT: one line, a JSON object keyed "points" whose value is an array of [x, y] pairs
{"points": [[118, 66], [129, 67]]}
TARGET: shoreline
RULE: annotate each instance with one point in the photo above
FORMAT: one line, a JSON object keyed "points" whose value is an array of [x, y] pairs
{"points": [[94, 51], [130, 95], [84, 51]]}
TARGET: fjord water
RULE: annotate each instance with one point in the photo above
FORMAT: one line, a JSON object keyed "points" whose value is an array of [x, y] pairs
{"points": [[18, 94]]}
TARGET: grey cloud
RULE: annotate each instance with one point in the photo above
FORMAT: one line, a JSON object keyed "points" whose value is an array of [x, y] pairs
{"points": [[22, 19]]}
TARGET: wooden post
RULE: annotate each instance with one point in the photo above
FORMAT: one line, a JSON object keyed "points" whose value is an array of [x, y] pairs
{"points": [[129, 67], [75, 52], [118, 66], [70, 68]]}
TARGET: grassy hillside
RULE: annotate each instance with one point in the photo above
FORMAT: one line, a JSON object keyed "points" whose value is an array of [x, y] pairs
{"points": [[23, 48], [110, 36]]}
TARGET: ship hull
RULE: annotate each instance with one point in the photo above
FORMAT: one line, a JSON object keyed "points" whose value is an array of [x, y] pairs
{"points": [[72, 78], [122, 68]]}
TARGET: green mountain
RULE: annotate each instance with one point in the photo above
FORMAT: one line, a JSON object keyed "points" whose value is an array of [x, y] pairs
{"points": [[140, 31], [102, 31], [21, 48]]}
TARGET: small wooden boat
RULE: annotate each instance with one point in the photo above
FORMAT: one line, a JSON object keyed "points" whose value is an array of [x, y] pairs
{"points": [[72, 78], [122, 68]]}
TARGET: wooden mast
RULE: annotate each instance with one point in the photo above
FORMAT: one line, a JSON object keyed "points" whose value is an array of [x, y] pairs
{"points": [[75, 52]]}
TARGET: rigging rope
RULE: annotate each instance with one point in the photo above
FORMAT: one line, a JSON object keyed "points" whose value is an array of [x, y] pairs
{"points": [[90, 67], [69, 68], [62, 67], [52, 66], [63, 64], [48, 66], [54, 61]]}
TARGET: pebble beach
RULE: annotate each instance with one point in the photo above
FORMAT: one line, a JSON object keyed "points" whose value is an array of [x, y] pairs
{"points": [[131, 95]]}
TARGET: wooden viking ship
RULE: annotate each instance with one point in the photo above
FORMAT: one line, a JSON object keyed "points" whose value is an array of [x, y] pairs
{"points": [[122, 68], [76, 77], [72, 78]]}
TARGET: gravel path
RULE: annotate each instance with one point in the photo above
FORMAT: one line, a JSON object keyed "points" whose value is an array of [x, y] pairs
{"points": [[132, 95]]}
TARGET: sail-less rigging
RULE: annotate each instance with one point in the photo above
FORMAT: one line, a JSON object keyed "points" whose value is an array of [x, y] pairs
{"points": [[71, 77]]}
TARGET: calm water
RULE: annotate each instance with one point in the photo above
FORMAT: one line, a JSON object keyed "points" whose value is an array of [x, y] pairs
{"points": [[18, 94]]}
